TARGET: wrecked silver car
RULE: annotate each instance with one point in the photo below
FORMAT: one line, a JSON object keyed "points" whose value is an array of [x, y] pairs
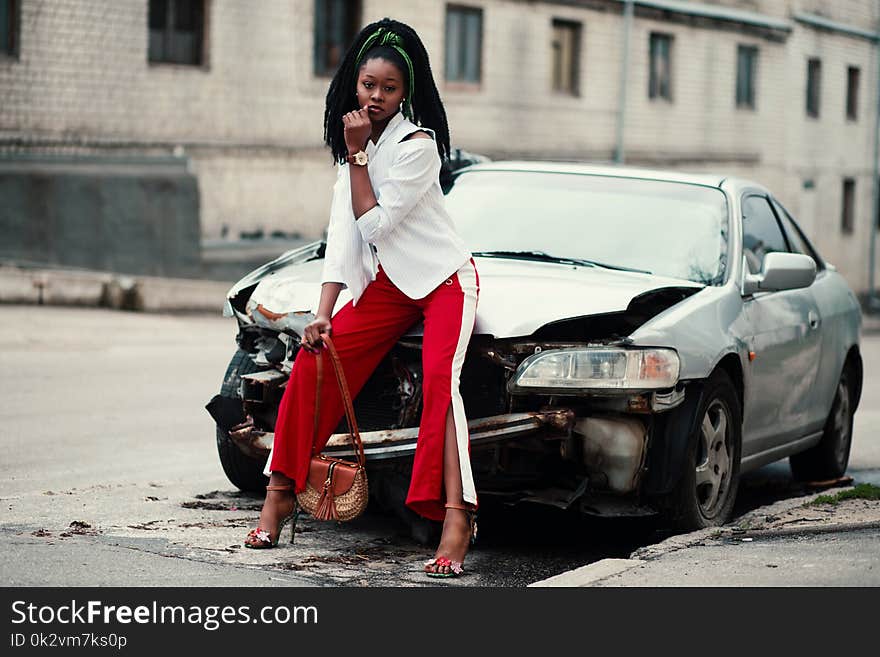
{"points": [[642, 338]]}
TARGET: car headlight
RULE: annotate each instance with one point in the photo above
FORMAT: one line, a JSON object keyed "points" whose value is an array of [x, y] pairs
{"points": [[561, 371]]}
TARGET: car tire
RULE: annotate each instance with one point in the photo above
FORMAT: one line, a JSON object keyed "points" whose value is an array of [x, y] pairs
{"points": [[389, 489], [706, 490], [242, 470], [829, 458]]}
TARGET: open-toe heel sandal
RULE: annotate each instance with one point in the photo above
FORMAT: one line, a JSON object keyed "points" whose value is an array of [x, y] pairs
{"points": [[260, 539], [455, 567]]}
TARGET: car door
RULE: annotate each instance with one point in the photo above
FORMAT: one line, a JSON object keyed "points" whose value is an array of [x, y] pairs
{"points": [[782, 334], [827, 294]]}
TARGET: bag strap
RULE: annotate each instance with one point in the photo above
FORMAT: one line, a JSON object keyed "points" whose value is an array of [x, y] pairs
{"points": [[353, 433]]}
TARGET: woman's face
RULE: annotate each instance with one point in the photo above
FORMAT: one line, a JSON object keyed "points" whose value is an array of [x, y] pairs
{"points": [[380, 87]]}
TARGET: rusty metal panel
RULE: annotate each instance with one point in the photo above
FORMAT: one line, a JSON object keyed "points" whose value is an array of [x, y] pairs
{"points": [[268, 377], [402, 442]]}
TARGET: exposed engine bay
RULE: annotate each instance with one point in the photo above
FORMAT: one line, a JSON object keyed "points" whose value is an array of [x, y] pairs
{"points": [[588, 451]]}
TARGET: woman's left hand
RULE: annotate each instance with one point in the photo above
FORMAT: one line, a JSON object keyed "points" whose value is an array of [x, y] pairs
{"points": [[357, 129]]}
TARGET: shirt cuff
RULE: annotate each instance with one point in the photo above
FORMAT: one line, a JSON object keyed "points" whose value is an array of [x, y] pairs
{"points": [[332, 275], [370, 223]]}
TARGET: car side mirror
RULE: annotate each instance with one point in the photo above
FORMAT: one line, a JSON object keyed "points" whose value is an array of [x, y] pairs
{"points": [[781, 271]]}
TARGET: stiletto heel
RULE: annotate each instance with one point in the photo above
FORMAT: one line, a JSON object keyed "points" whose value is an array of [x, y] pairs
{"points": [[295, 517], [260, 539], [455, 567]]}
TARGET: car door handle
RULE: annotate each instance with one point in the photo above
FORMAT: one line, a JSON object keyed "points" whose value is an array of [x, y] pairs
{"points": [[813, 319]]}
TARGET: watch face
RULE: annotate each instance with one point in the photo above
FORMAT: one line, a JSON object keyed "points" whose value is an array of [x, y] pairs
{"points": [[360, 158]]}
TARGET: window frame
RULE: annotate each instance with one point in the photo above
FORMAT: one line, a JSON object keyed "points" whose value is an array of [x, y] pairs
{"points": [[848, 206], [852, 92], [655, 92], [783, 215], [576, 28], [351, 25], [462, 83], [202, 64], [766, 198], [13, 31], [750, 102], [814, 79]]}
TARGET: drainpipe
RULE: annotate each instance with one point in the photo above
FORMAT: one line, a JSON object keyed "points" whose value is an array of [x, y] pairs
{"points": [[873, 301], [624, 71]]}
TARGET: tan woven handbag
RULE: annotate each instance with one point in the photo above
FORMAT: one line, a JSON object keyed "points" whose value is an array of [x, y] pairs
{"points": [[336, 489]]}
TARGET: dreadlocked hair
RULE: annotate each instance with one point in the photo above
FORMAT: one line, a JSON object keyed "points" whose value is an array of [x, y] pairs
{"points": [[423, 100]]}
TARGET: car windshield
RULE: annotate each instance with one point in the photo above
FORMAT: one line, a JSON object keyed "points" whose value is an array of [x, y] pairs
{"points": [[666, 228]]}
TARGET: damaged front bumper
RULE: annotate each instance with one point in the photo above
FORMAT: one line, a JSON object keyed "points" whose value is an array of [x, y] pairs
{"points": [[609, 448], [399, 443]]}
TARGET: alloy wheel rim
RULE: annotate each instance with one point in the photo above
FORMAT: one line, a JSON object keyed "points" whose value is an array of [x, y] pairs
{"points": [[714, 459], [841, 422]]}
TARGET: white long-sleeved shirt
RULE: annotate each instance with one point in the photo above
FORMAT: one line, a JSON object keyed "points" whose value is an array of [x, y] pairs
{"points": [[414, 237]]}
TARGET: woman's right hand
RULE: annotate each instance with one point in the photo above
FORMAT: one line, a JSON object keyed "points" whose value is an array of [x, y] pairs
{"points": [[312, 333]]}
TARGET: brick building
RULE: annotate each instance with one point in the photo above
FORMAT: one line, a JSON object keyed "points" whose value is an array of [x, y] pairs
{"points": [[781, 91]]}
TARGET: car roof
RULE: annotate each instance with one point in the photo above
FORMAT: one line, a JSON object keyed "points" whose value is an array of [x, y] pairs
{"points": [[716, 180]]}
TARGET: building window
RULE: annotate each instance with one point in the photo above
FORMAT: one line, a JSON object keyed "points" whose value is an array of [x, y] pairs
{"points": [[565, 50], [852, 93], [464, 43], [177, 32], [814, 74], [9, 27], [849, 199], [660, 79], [336, 25], [746, 66]]}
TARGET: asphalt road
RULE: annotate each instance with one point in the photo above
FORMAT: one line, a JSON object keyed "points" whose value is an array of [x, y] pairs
{"points": [[110, 476]]}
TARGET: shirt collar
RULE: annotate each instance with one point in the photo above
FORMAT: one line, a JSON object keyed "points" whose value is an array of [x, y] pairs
{"points": [[390, 128]]}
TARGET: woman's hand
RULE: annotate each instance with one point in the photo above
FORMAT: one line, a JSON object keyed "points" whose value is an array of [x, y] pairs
{"points": [[357, 129], [313, 331]]}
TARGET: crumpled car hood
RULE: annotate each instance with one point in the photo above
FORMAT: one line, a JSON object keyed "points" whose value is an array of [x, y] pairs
{"points": [[516, 296]]}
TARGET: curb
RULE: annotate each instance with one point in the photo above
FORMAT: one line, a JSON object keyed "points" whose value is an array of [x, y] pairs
{"points": [[840, 527], [97, 289], [737, 528], [586, 575], [606, 568]]}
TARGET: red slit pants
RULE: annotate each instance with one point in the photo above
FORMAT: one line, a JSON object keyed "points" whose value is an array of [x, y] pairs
{"points": [[363, 335]]}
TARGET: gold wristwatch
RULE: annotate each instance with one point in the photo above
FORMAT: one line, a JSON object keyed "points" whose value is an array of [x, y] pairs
{"points": [[360, 158]]}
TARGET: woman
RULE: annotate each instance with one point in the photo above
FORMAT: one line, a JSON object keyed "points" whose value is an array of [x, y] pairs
{"points": [[391, 241]]}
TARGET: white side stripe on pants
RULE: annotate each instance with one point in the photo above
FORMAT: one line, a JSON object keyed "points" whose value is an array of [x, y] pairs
{"points": [[467, 278]]}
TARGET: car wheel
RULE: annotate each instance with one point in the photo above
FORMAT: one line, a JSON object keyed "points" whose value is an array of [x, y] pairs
{"points": [[706, 490], [243, 471], [389, 489], [828, 459]]}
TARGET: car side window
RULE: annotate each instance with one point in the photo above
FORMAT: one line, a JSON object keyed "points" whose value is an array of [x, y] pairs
{"points": [[761, 232], [797, 239]]}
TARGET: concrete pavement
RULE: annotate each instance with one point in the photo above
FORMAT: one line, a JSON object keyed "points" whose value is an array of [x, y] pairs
{"points": [[843, 558], [788, 543], [776, 545]]}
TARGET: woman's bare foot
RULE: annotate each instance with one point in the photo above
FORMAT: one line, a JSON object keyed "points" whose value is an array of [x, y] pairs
{"points": [[278, 505], [454, 541]]}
